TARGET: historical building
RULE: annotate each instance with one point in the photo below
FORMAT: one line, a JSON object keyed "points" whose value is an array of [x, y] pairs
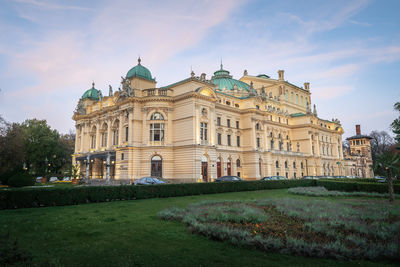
{"points": [[198, 129], [358, 158]]}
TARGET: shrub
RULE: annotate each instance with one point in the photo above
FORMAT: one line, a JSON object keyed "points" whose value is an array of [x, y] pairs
{"points": [[21, 179], [350, 186]]}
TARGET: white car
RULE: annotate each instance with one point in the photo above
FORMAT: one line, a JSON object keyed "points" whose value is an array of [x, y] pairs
{"points": [[39, 179], [53, 179], [67, 179]]}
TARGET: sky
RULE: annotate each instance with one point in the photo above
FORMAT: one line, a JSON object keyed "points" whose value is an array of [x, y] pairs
{"points": [[349, 51]]}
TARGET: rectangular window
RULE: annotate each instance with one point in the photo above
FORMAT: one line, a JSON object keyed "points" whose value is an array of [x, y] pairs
{"points": [[228, 122], [229, 139], [122, 156], [219, 121], [203, 131], [238, 141], [219, 139], [126, 133], [258, 142], [157, 132], [237, 124]]}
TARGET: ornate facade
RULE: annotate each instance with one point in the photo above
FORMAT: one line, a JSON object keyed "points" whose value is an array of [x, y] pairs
{"points": [[198, 129], [358, 158]]}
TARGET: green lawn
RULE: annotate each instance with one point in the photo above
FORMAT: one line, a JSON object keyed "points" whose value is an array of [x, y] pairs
{"points": [[128, 233]]}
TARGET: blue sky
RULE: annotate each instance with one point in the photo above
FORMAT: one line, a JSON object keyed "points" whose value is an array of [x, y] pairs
{"points": [[51, 51]]}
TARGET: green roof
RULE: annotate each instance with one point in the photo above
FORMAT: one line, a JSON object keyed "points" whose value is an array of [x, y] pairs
{"points": [[223, 80], [263, 76], [139, 71], [297, 114], [92, 93]]}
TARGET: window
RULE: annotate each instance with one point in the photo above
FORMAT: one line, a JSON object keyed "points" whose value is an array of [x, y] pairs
{"points": [[279, 119], [228, 137], [219, 139], [204, 111], [257, 126], [238, 141], [280, 145], [228, 122], [294, 164], [219, 121], [277, 174], [313, 149], [115, 136], [258, 142], [238, 163], [228, 103], [287, 176], [157, 132], [277, 164], [122, 156], [294, 175], [301, 166], [93, 141], [157, 116], [286, 165], [104, 139], [272, 144], [257, 107], [237, 124], [298, 147], [287, 146], [126, 133], [203, 131]]}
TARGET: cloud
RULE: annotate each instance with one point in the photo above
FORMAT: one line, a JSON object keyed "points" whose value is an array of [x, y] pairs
{"points": [[51, 5], [366, 24]]}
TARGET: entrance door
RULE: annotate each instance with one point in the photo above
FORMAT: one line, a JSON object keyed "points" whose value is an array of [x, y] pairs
{"points": [[218, 168], [156, 166], [228, 168]]}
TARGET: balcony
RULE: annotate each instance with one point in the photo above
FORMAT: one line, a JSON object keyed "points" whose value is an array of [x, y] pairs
{"points": [[155, 92]]}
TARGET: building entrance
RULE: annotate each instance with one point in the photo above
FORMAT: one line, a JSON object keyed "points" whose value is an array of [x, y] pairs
{"points": [[156, 166]]}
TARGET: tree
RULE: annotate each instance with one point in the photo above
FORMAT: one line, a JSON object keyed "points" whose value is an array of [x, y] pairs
{"points": [[41, 147], [389, 162], [12, 154], [396, 123], [381, 142]]}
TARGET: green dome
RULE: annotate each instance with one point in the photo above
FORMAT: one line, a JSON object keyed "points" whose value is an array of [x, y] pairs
{"points": [[223, 80], [139, 71], [92, 93]]}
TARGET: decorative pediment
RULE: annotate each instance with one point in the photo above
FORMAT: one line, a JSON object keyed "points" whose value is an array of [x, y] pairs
{"points": [[207, 91]]}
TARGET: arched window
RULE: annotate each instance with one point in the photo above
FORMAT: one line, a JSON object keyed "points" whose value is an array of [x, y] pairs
{"points": [[294, 164], [93, 137], [156, 116], [157, 129], [156, 166], [277, 164], [257, 126], [286, 165], [238, 163], [301, 165], [115, 133], [104, 135]]}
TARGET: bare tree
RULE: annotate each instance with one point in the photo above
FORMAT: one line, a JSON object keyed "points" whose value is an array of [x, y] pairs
{"points": [[380, 143]]}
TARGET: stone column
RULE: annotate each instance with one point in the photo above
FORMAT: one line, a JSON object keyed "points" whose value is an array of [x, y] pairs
{"points": [[130, 127], [109, 134], [98, 137], [108, 168], [87, 166], [121, 130]]}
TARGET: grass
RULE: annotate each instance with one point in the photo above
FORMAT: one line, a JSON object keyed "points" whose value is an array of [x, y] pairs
{"points": [[320, 191], [128, 233]]}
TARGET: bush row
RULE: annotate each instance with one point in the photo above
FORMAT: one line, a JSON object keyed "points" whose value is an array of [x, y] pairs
{"points": [[59, 196], [350, 186]]}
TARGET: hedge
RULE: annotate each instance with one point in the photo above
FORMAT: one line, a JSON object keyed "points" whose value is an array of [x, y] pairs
{"points": [[351, 186], [60, 196]]}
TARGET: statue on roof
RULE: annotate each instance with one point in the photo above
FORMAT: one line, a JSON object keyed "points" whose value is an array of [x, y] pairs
{"points": [[80, 108], [110, 91], [315, 110]]}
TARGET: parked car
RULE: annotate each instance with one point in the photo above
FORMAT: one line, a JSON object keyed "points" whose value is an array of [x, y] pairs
{"points": [[39, 179], [150, 180], [67, 179], [53, 179], [274, 178], [228, 179]]}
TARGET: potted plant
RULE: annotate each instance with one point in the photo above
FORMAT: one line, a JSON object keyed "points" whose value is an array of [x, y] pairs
{"points": [[75, 174]]}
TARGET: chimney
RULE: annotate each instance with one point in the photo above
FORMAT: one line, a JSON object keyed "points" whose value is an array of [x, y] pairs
{"points": [[358, 129], [307, 86], [281, 75]]}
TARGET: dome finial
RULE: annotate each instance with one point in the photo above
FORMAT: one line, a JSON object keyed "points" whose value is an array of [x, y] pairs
{"points": [[93, 84], [221, 64], [139, 60]]}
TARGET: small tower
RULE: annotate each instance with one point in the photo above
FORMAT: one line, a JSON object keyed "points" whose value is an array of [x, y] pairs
{"points": [[360, 144]]}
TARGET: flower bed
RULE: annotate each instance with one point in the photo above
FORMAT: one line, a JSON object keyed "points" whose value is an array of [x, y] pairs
{"points": [[320, 191], [318, 228]]}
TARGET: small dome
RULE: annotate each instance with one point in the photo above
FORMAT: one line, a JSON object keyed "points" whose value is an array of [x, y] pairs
{"points": [[263, 76], [139, 71], [92, 93], [223, 80]]}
